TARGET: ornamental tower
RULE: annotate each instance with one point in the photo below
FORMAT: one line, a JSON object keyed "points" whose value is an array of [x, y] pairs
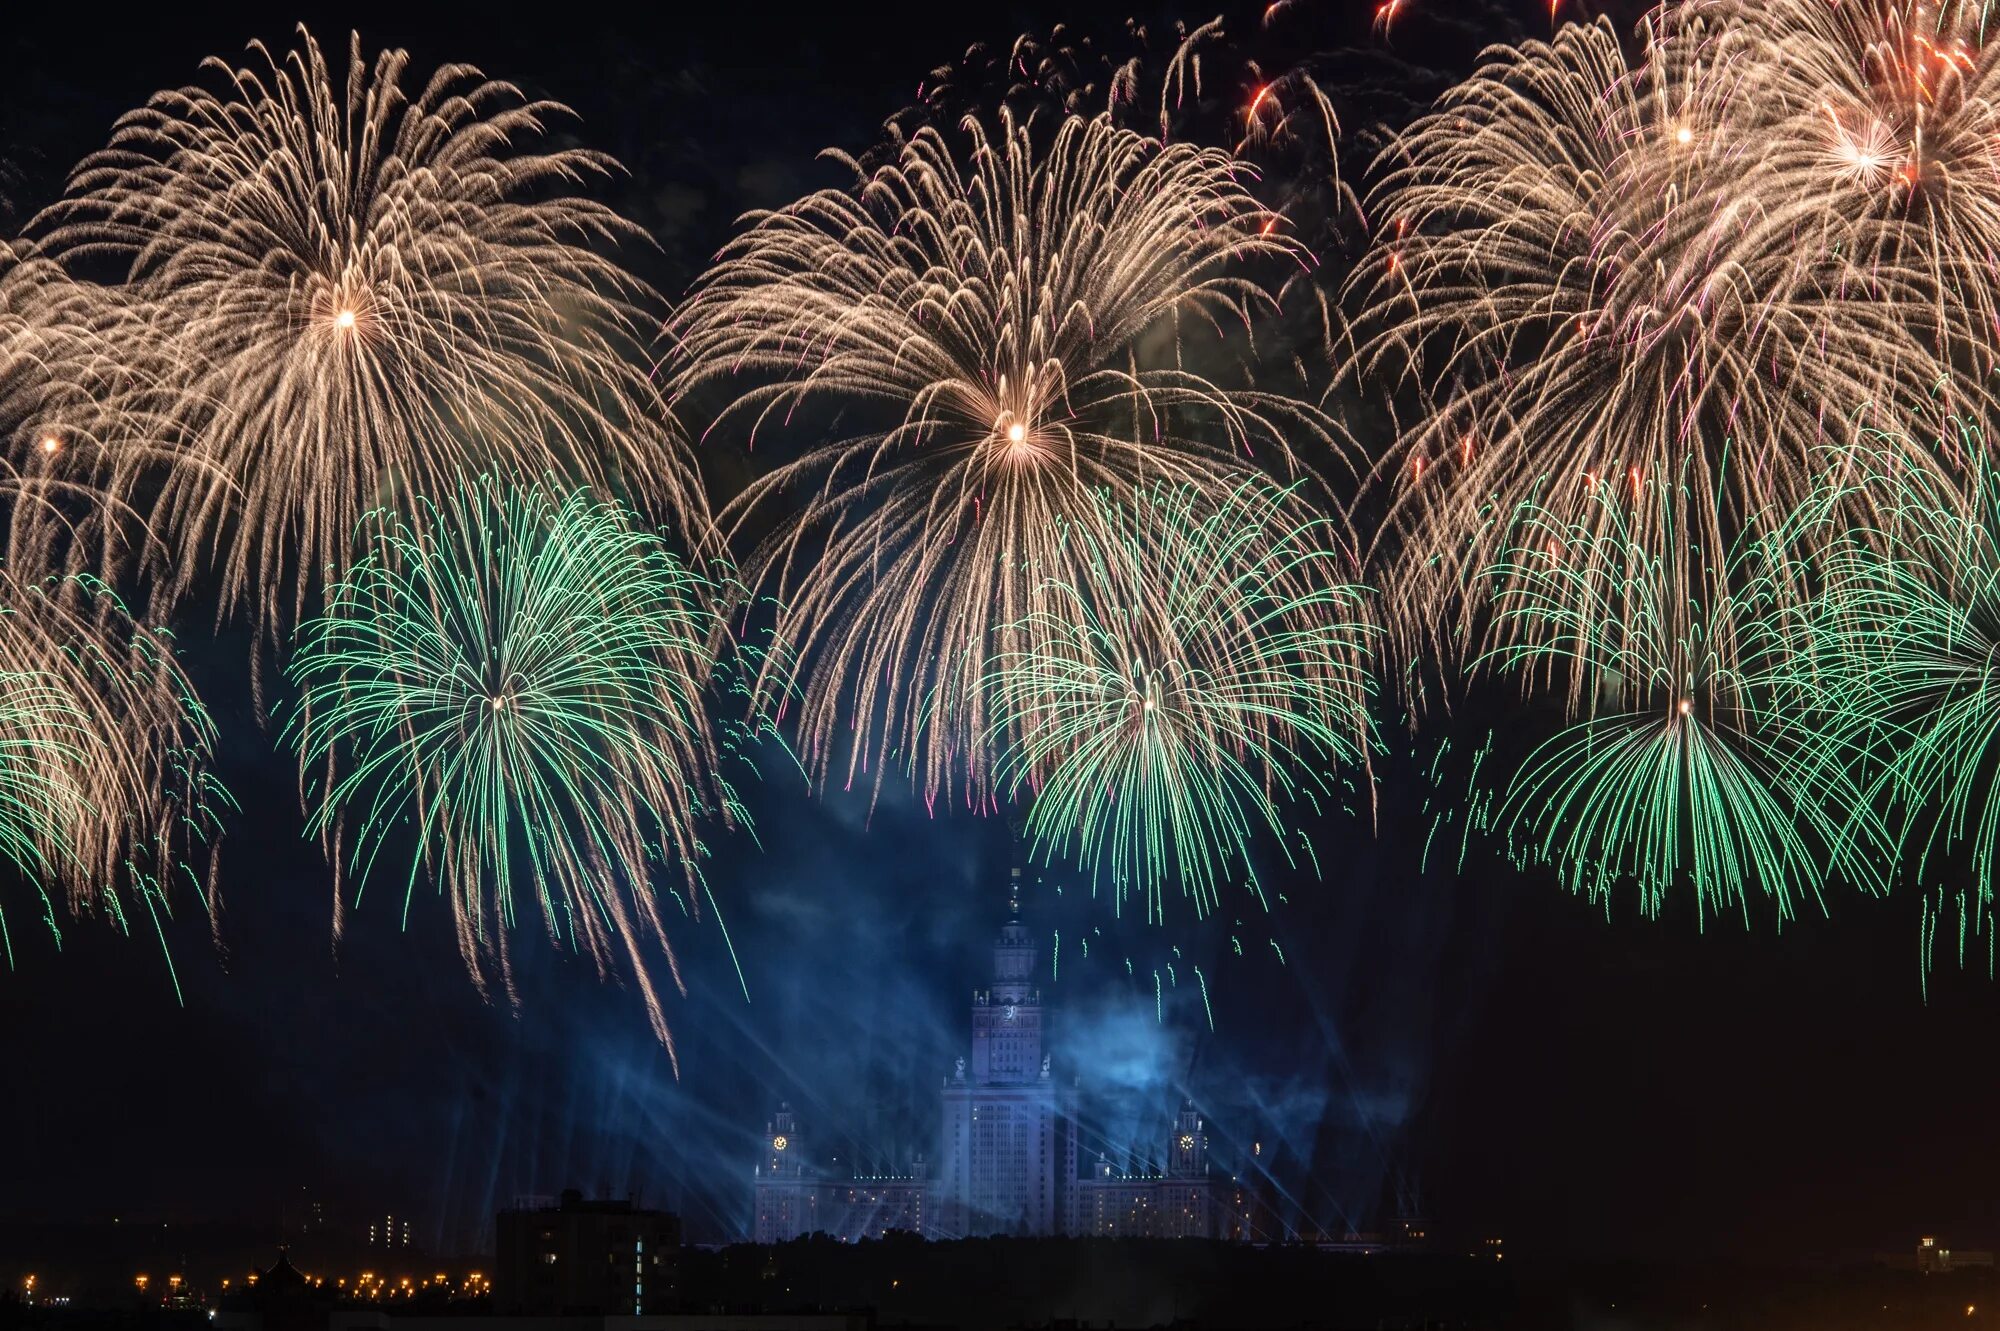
{"points": [[1187, 1153], [1007, 1019], [786, 1195], [1187, 1207], [998, 1172], [781, 1145]]}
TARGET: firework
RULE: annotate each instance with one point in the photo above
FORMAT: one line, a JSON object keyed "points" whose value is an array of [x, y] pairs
{"points": [[1060, 73], [1000, 338], [1697, 760], [78, 426], [1579, 277], [364, 292], [1872, 136], [1172, 82], [1208, 671], [1911, 618], [1386, 14], [104, 752], [509, 690], [1213, 83], [104, 749]]}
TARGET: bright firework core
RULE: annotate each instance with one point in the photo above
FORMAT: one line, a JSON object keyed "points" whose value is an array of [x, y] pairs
{"points": [[344, 320], [1022, 446]]}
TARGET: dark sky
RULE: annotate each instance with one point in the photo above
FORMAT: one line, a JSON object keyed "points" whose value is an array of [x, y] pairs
{"points": [[1575, 1083]]}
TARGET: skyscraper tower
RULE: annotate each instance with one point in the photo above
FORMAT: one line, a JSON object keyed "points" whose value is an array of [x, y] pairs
{"points": [[1187, 1153], [1188, 1205], [1007, 1019], [998, 1173], [786, 1197], [1009, 1156]]}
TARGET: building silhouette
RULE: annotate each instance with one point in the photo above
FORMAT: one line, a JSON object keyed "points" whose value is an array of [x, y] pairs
{"points": [[584, 1256], [1008, 1154]]}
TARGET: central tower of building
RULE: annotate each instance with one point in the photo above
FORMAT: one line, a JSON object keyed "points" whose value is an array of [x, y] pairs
{"points": [[999, 1173]]}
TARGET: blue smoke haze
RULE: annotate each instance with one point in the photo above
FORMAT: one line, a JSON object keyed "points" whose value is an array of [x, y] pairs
{"points": [[374, 1077]]}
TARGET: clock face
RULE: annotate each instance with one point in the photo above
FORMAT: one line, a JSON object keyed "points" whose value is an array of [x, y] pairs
{"points": [[1007, 1013], [1187, 1142], [779, 1143]]}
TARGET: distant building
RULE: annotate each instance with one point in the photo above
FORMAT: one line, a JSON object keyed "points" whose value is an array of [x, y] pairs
{"points": [[1008, 1160], [999, 1170], [1933, 1258], [787, 1187], [794, 1200], [1185, 1202], [582, 1257], [390, 1232]]}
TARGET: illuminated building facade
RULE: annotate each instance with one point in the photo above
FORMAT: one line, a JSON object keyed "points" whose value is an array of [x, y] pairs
{"points": [[1934, 1258], [787, 1192], [793, 1200], [1008, 1149], [1184, 1202], [1000, 1162]]}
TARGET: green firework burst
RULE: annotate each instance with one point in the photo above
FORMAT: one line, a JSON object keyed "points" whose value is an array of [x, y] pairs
{"points": [[510, 689], [105, 788], [1209, 668], [1696, 755], [1911, 619]]}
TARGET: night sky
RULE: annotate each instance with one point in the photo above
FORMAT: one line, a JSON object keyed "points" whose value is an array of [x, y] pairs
{"points": [[1525, 1065]]}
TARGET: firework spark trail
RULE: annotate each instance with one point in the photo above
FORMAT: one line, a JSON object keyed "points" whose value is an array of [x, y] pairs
{"points": [[1210, 669], [520, 677], [1169, 88], [81, 382], [105, 792], [1873, 131], [1023, 325], [106, 799], [1579, 273], [1910, 621], [1213, 83], [1698, 760], [1386, 14], [364, 293]]}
